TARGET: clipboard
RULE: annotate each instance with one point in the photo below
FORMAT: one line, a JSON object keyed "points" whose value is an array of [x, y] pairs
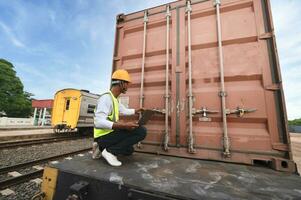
{"points": [[146, 115]]}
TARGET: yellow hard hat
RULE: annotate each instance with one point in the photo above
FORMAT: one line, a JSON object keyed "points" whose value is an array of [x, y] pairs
{"points": [[121, 74]]}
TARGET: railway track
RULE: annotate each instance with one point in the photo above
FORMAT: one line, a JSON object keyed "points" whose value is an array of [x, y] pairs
{"points": [[34, 174], [20, 143]]}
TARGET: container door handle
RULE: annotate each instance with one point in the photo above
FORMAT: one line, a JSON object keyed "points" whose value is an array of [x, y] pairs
{"points": [[240, 112]]}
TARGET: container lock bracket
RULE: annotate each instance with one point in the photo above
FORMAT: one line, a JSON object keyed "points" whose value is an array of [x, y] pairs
{"points": [[188, 8], [168, 13], [216, 2], [204, 112], [222, 94], [145, 18]]}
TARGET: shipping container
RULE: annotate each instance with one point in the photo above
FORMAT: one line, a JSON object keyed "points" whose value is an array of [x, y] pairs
{"points": [[211, 71]]}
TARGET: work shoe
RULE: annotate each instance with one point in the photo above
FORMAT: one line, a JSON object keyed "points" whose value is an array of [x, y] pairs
{"points": [[110, 158], [95, 151]]}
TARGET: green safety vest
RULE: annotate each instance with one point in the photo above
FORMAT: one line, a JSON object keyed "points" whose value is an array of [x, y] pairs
{"points": [[113, 117]]}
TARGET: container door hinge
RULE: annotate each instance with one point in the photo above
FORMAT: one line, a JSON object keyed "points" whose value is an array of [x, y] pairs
{"points": [[116, 58], [240, 112], [266, 36], [273, 87], [280, 146]]}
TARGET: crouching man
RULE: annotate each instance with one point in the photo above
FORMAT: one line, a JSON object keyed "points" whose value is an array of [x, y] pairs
{"points": [[113, 138]]}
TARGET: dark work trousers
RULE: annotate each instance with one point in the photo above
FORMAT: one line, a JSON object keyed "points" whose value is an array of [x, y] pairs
{"points": [[121, 141]]}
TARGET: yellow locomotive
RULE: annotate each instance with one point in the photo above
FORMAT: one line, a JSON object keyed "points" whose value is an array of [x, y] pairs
{"points": [[72, 109]]}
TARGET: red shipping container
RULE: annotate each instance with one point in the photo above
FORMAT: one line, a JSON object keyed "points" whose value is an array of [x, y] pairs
{"points": [[212, 71]]}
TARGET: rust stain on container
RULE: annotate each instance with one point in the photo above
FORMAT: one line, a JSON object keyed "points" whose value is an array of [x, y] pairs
{"points": [[240, 68]]}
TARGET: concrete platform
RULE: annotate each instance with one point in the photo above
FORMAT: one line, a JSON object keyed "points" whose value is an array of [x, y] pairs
{"points": [[6, 135], [9, 128]]}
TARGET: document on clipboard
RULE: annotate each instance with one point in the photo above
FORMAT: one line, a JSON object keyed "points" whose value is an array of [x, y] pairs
{"points": [[146, 115]]}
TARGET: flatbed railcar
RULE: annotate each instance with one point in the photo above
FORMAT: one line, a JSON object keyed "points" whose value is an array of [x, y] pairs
{"points": [[73, 109], [158, 177]]}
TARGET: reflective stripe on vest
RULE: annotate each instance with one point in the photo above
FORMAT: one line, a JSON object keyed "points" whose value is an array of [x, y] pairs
{"points": [[113, 117]]}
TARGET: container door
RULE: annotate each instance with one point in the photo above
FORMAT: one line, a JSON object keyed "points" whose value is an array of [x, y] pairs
{"points": [[255, 112], [148, 85], [147, 45]]}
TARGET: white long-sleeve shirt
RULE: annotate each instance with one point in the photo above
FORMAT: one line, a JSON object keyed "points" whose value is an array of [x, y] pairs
{"points": [[104, 110]]}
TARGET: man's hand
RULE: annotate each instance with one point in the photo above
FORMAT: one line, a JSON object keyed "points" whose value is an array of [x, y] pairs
{"points": [[125, 125], [140, 110], [131, 125]]}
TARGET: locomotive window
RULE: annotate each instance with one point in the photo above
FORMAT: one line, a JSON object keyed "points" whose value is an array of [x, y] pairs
{"points": [[91, 108], [67, 104]]}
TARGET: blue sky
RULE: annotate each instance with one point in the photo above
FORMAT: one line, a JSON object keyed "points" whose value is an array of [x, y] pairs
{"points": [[60, 44]]}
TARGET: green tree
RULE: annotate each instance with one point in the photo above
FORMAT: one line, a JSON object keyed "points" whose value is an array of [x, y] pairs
{"points": [[296, 122], [14, 101]]}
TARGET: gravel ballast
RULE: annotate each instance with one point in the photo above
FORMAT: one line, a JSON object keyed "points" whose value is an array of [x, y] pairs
{"points": [[9, 157]]}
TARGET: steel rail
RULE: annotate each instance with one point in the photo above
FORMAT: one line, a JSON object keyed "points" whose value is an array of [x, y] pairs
{"points": [[43, 160], [20, 179], [14, 144]]}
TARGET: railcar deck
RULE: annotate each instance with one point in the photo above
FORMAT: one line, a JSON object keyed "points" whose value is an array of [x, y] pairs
{"points": [[164, 177]]}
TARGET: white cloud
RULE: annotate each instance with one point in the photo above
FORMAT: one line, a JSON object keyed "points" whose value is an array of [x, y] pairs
{"points": [[32, 71], [11, 35], [52, 16], [42, 85]]}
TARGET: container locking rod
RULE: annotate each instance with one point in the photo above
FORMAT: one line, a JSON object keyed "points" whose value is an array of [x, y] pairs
{"points": [[166, 134], [226, 140], [190, 136], [145, 20]]}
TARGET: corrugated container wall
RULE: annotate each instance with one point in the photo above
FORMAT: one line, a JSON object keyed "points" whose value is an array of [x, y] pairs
{"points": [[211, 70]]}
